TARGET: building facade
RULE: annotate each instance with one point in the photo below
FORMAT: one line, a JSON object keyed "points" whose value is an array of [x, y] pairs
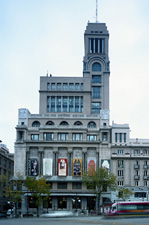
{"points": [[72, 134], [6, 169]]}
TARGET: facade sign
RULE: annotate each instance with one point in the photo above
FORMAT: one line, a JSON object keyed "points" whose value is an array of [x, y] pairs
{"points": [[62, 167], [47, 167], [77, 167], [32, 167], [91, 164], [105, 163]]}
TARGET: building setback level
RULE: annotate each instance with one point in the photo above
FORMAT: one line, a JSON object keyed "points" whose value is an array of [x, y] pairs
{"points": [[72, 133]]}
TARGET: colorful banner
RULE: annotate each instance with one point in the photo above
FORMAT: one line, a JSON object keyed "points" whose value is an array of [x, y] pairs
{"points": [[47, 167], [105, 163], [32, 167], [77, 167], [62, 167], [91, 164]]}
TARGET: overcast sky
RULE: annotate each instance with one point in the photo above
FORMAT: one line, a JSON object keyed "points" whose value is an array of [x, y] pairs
{"points": [[41, 35]]}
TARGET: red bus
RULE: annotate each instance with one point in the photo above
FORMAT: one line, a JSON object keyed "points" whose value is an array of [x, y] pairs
{"points": [[129, 208]]}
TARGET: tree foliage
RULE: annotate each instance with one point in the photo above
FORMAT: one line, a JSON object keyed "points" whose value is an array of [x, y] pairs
{"points": [[124, 193], [39, 189], [99, 181]]}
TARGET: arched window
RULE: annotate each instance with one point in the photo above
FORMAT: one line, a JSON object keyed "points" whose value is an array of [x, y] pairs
{"points": [[91, 124], [36, 124], [78, 123], [96, 67], [64, 123], [49, 123]]}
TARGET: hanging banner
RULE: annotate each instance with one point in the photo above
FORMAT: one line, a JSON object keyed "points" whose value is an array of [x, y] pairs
{"points": [[105, 163], [91, 164], [32, 167], [62, 167], [77, 167], [47, 167]]}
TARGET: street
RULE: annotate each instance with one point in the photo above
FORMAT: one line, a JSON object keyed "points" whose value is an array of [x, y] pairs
{"points": [[74, 221]]}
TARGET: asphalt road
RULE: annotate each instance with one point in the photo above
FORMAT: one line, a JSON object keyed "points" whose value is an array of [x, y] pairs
{"points": [[74, 221]]}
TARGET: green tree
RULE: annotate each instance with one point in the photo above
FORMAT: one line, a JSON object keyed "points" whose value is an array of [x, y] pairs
{"points": [[12, 190], [39, 189], [98, 181], [124, 193]]}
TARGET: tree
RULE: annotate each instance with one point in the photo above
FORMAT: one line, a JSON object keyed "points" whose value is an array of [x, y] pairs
{"points": [[98, 181], [39, 189], [124, 193], [12, 190]]}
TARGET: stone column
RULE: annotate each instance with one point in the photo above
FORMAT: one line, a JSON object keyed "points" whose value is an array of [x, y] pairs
{"points": [[69, 165], [40, 161]]}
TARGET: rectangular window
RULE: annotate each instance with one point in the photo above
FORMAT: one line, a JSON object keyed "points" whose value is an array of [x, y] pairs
{"points": [[77, 137], [77, 87], [96, 106], [96, 79], [65, 87], [65, 104], [71, 87], [62, 136], [115, 137], [76, 185], [136, 152], [136, 183], [76, 104], [120, 137], [53, 86], [120, 183], [59, 103], [34, 137], [48, 86], [52, 104], [120, 152], [91, 137], [120, 173], [61, 185], [81, 104], [125, 137], [96, 92], [59, 87], [120, 163], [145, 183], [82, 88], [71, 104], [48, 136], [96, 45], [104, 137]]}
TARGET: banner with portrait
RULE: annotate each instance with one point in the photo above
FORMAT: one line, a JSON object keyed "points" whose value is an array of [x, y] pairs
{"points": [[77, 167], [62, 167], [32, 167], [47, 167], [91, 164]]}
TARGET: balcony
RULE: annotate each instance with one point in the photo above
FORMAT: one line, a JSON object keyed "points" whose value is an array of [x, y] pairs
{"points": [[137, 177], [136, 166], [145, 177], [145, 166]]}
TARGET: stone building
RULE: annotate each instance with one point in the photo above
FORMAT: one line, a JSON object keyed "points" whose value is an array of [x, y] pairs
{"points": [[72, 133], [6, 169]]}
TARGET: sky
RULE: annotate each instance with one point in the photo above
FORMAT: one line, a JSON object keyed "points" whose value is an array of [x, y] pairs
{"points": [[37, 36]]}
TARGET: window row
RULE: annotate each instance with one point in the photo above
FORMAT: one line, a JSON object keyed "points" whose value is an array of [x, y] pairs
{"points": [[65, 86], [96, 45], [120, 137], [64, 137], [91, 124], [65, 104]]}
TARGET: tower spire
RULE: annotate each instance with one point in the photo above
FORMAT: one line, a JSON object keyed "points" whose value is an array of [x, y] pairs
{"points": [[96, 11]]}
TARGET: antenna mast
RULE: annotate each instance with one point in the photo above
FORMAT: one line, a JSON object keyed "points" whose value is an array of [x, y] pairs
{"points": [[96, 11]]}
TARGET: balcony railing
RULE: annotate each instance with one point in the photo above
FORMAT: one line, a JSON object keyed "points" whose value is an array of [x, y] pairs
{"points": [[137, 177]]}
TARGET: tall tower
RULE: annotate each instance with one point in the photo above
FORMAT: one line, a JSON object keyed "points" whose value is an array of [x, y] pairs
{"points": [[96, 64]]}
